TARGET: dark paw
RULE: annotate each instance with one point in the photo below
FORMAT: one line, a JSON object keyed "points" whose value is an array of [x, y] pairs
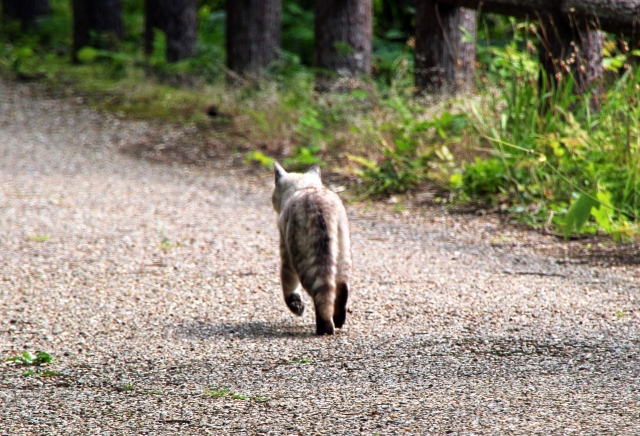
{"points": [[339, 319], [340, 309], [295, 304], [324, 327]]}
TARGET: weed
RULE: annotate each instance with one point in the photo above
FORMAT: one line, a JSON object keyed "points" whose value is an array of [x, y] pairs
{"points": [[620, 314], [216, 393], [261, 158], [300, 360], [258, 399], [166, 244], [128, 387], [28, 359], [38, 238], [222, 393], [577, 170]]}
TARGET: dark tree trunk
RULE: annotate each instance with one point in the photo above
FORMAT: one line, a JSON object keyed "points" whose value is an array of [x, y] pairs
{"points": [[343, 36], [25, 11], [443, 62], [253, 34], [177, 19], [96, 23], [571, 46], [152, 20]]}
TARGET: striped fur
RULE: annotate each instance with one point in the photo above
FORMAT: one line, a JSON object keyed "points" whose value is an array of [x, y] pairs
{"points": [[315, 249]]}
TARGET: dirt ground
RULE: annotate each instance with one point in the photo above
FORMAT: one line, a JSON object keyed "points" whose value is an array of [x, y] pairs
{"points": [[155, 288]]}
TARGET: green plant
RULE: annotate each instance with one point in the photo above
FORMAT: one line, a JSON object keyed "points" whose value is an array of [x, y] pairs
{"points": [[38, 238], [166, 244], [128, 387], [28, 359], [409, 146], [550, 149], [300, 360], [261, 158], [312, 136], [216, 393]]}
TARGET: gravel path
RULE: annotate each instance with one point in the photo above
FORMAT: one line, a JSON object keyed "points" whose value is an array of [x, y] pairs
{"points": [[155, 287]]}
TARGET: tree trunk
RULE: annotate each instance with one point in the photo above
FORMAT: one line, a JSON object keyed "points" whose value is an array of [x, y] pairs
{"points": [[25, 11], [253, 34], [613, 16], [177, 19], [96, 23], [573, 46], [343, 37], [443, 62]]}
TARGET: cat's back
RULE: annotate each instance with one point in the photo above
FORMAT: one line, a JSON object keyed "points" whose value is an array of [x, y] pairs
{"points": [[313, 207]]}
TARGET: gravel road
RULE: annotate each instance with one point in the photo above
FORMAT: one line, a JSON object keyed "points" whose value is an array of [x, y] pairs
{"points": [[155, 288]]}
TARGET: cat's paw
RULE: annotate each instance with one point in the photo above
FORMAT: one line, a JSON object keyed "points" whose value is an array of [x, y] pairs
{"points": [[324, 327], [295, 304], [339, 318]]}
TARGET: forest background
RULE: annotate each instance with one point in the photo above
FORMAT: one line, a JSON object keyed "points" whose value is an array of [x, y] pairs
{"points": [[549, 157]]}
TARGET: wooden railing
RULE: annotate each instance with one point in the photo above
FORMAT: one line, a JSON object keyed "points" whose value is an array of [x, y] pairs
{"points": [[615, 16]]}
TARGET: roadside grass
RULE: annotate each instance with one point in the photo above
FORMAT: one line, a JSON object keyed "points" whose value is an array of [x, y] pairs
{"points": [[543, 156], [38, 238]]}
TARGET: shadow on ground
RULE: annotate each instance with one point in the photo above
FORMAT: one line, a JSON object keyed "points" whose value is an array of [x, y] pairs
{"points": [[250, 329]]}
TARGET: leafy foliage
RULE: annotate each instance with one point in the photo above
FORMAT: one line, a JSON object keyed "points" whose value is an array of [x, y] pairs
{"points": [[550, 149], [545, 155], [28, 359]]}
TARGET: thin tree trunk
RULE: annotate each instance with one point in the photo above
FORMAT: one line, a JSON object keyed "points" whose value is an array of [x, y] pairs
{"points": [[443, 62], [343, 37], [177, 19], [253, 34], [571, 46], [25, 11], [96, 23], [152, 20]]}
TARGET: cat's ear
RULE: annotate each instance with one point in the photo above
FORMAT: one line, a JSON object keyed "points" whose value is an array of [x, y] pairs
{"points": [[315, 168], [278, 171]]}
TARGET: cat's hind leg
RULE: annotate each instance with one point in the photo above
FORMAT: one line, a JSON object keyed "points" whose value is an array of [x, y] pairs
{"points": [[324, 300], [340, 307]]}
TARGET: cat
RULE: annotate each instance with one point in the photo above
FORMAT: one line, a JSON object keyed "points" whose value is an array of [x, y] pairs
{"points": [[315, 246]]}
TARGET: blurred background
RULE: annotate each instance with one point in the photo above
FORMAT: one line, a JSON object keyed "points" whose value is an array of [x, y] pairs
{"points": [[534, 113]]}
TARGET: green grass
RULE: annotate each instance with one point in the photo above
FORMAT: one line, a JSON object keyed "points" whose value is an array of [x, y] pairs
{"points": [[300, 360], [166, 244], [557, 164], [38, 238], [216, 393], [128, 387]]}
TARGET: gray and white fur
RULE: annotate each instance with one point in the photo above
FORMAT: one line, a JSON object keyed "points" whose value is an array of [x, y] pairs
{"points": [[315, 248]]}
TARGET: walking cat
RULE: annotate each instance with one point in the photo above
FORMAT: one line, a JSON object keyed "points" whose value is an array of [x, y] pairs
{"points": [[315, 248]]}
